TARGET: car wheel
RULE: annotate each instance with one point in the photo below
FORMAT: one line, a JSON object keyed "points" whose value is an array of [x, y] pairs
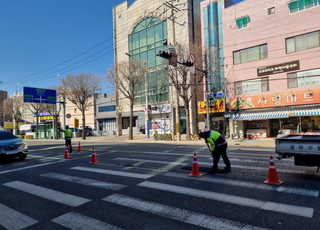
{"points": [[87, 134], [22, 157]]}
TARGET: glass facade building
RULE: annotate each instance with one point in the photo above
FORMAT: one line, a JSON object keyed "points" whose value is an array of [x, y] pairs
{"points": [[146, 40], [213, 38]]}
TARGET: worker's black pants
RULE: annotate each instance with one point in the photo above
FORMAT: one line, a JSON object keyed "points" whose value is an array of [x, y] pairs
{"points": [[68, 144], [220, 151]]}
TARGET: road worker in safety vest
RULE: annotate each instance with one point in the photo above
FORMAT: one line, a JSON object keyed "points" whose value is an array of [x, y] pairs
{"points": [[218, 148], [67, 137]]}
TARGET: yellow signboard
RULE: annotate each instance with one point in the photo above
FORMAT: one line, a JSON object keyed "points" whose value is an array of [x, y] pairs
{"points": [[76, 123], [317, 120], [219, 107]]}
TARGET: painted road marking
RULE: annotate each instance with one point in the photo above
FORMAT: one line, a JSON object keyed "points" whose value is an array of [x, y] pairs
{"points": [[253, 203], [149, 161], [283, 189], [85, 181], [76, 221], [33, 166], [183, 215], [210, 164], [49, 194], [110, 172], [11, 219]]}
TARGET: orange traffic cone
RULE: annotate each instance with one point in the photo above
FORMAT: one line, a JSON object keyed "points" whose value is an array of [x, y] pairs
{"points": [[195, 168], [79, 147], [66, 153], [94, 157], [273, 177]]}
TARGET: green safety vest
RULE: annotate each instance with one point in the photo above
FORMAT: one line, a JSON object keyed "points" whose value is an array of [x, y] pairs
{"points": [[213, 137], [68, 133]]}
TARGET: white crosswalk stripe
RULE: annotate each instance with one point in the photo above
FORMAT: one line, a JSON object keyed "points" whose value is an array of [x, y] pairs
{"points": [[190, 217], [253, 203], [49, 194], [76, 221], [282, 189], [84, 181], [209, 163], [111, 172], [148, 161], [13, 220]]}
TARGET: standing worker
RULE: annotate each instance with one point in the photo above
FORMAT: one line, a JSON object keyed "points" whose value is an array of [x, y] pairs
{"points": [[218, 148], [67, 136]]}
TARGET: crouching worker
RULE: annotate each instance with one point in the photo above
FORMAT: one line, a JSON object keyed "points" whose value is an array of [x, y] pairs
{"points": [[218, 148]]}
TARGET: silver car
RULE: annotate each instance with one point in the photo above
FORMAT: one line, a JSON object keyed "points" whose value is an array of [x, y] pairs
{"points": [[11, 146]]}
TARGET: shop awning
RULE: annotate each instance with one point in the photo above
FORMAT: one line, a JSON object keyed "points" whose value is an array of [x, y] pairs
{"points": [[273, 114], [305, 112], [260, 116]]}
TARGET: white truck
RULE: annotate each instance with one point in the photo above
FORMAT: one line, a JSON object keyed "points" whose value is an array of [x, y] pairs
{"points": [[304, 148]]}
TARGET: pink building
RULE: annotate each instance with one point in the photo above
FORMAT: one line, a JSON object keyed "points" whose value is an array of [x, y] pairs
{"points": [[271, 52]]}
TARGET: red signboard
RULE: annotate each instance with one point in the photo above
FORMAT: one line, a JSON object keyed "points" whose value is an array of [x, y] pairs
{"points": [[276, 99]]}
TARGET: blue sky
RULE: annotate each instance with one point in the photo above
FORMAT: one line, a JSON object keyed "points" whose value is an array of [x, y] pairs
{"points": [[39, 38], [42, 41]]}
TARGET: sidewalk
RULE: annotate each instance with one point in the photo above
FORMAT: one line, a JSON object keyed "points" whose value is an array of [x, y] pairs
{"points": [[142, 138]]}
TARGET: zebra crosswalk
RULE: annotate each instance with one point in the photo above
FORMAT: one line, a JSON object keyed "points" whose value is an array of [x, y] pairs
{"points": [[168, 185]]}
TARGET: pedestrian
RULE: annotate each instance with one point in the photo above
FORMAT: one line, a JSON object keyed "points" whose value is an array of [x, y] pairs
{"points": [[218, 148], [67, 136]]}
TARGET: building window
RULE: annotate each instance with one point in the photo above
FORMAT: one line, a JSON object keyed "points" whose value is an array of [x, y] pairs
{"points": [[304, 78], [250, 54], [300, 5], [271, 10], [108, 108], [252, 86], [243, 22], [75, 110], [303, 42], [146, 40]]}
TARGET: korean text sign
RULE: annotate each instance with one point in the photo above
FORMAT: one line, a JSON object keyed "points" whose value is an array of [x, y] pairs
{"points": [[276, 99], [219, 106]]}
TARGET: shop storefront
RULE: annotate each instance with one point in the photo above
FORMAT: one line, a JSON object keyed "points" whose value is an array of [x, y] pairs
{"points": [[252, 114], [45, 129], [216, 112]]}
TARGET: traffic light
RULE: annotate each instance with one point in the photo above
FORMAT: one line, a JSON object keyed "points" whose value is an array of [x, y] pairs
{"points": [[187, 63], [164, 54], [211, 103]]}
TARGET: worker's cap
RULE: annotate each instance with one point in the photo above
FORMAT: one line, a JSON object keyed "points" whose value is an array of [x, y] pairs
{"points": [[201, 135]]}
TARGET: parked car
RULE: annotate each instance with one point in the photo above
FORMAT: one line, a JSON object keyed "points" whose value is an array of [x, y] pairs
{"points": [[88, 131], [12, 146], [142, 129]]}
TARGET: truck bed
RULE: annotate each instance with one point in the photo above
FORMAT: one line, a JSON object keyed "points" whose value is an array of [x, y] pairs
{"points": [[298, 145]]}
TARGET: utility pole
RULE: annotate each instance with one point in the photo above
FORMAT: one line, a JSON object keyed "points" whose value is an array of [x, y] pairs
{"points": [[147, 108], [175, 9]]}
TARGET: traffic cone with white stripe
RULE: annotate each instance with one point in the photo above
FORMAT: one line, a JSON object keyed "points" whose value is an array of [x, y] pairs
{"points": [[94, 157], [66, 153], [79, 147], [195, 168], [273, 176]]}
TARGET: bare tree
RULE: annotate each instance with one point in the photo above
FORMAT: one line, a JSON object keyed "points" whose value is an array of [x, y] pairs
{"points": [[15, 107], [80, 89], [128, 78], [186, 84]]}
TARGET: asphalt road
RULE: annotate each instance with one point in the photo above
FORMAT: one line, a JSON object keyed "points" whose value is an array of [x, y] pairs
{"points": [[145, 185]]}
